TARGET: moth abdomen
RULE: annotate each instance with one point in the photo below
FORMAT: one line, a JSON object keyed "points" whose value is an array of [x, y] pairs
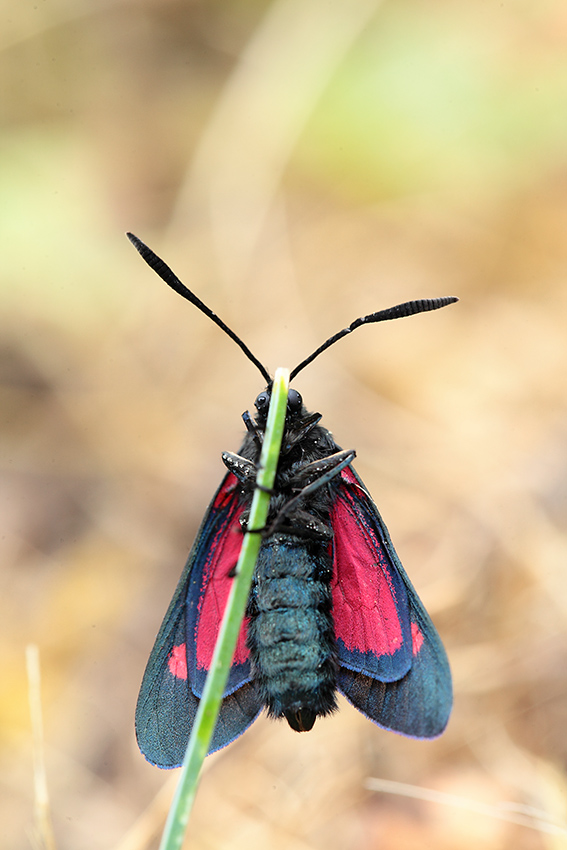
{"points": [[291, 633], [291, 593]]}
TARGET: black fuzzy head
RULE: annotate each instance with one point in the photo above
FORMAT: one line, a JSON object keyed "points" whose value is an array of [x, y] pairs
{"points": [[262, 404]]}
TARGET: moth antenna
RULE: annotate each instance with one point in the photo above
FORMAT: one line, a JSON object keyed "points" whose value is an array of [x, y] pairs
{"points": [[167, 275], [408, 308]]}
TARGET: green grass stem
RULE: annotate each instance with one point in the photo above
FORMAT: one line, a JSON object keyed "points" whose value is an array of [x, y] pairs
{"points": [[210, 703]]}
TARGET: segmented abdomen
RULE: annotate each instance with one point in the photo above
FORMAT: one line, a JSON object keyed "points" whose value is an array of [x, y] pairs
{"points": [[291, 633]]}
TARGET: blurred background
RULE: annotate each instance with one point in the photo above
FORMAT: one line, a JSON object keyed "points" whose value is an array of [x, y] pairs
{"points": [[299, 163]]}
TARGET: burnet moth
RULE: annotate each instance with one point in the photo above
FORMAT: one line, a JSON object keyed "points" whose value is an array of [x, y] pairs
{"points": [[331, 607]]}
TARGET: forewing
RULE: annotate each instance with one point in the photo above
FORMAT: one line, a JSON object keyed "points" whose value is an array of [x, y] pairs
{"points": [[418, 702], [370, 605], [177, 667], [209, 582]]}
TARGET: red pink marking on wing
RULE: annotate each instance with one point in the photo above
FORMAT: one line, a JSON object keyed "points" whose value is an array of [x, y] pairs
{"points": [[364, 600], [416, 638], [177, 661], [225, 550]]}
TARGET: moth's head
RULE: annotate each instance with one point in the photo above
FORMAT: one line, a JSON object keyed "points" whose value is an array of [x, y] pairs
{"points": [[262, 403]]}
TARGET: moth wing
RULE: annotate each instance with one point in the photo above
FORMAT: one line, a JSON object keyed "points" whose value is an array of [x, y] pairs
{"points": [[370, 604], [406, 689], [178, 664], [208, 578]]}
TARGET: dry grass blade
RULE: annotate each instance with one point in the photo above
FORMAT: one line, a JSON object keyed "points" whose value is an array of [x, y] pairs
{"points": [[510, 812], [43, 833]]}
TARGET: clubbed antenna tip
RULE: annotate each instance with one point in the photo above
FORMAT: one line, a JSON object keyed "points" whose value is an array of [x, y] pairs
{"points": [[167, 275], [408, 308]]}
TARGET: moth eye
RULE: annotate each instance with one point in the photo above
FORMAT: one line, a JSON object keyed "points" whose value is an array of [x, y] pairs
{"points": [[294, 401], [262, 402]]}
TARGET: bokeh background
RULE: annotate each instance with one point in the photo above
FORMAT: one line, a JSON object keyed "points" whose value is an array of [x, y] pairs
{"points": [[299, 163]]}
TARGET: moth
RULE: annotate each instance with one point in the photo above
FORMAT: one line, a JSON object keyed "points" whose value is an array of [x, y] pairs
{"points": [[330, 609]]}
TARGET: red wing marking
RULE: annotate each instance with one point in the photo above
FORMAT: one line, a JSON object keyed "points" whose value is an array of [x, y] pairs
{"points": [[217, 581], [177, 661], [370, 606], [416, 638]]}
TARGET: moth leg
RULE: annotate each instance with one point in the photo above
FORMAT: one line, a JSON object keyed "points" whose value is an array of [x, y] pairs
{"points": [[244, 469], [312, 420], [252, 428], [332, 465], [304, 525], [323, 469]]}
